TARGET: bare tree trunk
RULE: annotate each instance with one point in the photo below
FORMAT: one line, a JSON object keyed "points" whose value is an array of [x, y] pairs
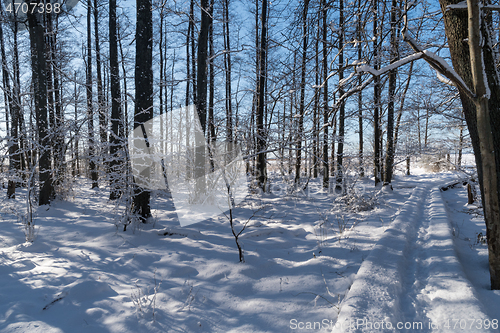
{"points": [[460, 146], [340, 145], [12, 132], [201, 98], [161, 48], [116, 139], [76, 171], [476, 67], [125, 90], [315, 131], [401, 106], [478, 59], [300, 129], [193, 51], [426, 133], [334, 138], [211, 124], [360, 95], [101, 108], [261, 140], [90, 113], [376, 97], [326, 172], [255, 101], [38, 66], [60, 164], [188, 86], [227, 68], [143, 93], [392, 91]]}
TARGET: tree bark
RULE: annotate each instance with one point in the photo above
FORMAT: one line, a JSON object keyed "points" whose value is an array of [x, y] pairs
{"points": [[101, 109], [143, 93], [340, 145], [472, 62], [261, 140], [211, 83], [376, 98], [326, 172], [300, 129], [116, 139], [12, 131], [201, 99], [360, 95], [227, 68], [90, 112], [38, 66], [389, 161]]}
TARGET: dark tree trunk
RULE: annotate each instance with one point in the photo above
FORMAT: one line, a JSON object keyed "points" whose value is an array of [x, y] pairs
{"points": [[116, 140], [76, 171], [211, 124], [12, 131], [261, 139], [143, 111], [60, 164], [360, 96], [316, 106], [401, 106], [201, 98], [16, 97], [227, 68], [101, 107], [376, 98], [389, 161], [456, 28], [125, 126], [38, 66], [193, 49], [90, 112], [340, 144], [300, 130], [326, 172]]}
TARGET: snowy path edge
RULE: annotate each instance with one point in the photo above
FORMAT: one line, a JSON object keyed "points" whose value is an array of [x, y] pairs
{"points": [[373, 302]]}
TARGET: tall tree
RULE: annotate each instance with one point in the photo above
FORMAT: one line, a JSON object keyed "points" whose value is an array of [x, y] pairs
{"points": [[340, 144], [211, 83], [38, 68], [116, 139], [261, 140], [227, 68], [101, 107], [389, 161], [90, 112], [316, 105], [300, 129], [143, 111], [326, 172], [359, 27], [12, 131], [201, 97], [475, 63], [376, 97]]}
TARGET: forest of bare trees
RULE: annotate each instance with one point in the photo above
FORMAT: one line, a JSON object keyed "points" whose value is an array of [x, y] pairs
{"points": [[313, 89]]}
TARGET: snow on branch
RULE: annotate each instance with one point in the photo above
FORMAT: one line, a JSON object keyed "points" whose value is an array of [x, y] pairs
{"points": [[460, 5], [463, 5], [436, 62], [394, 65]]}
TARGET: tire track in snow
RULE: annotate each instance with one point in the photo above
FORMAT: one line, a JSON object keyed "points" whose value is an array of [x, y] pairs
{"points": [[412, 276]]}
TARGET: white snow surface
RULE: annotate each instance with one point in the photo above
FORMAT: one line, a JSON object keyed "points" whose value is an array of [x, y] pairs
{"points": [[413, 278], [310, 261]]}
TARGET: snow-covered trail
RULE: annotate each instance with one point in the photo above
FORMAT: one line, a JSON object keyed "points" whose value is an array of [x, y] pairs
{"points": [[412, 280]]}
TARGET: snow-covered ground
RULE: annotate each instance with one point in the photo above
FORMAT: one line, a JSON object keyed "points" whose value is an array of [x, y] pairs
{"points": [[310, 259]]}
